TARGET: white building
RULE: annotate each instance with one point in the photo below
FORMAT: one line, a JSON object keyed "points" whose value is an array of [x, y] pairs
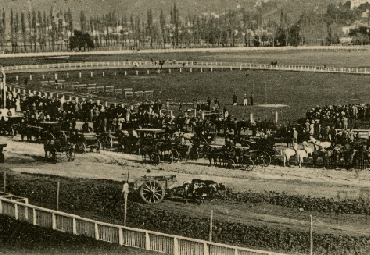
{"points": [[357, 3]]}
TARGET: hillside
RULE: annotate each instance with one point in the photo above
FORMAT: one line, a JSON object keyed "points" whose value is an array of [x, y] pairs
{"points": [[140, 7]]}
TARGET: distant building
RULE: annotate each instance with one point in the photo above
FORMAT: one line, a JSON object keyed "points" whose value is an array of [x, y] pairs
{"points": [[347, 29], [357, 3]]}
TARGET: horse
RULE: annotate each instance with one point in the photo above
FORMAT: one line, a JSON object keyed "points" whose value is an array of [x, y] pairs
{"points": [[309, 148], [288, 153], [213, 153], [325, 153]]}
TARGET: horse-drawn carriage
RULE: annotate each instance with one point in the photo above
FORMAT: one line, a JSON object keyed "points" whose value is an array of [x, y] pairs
{"points": [[12, 126], [157, 144], [56, 142], [86, 141]]}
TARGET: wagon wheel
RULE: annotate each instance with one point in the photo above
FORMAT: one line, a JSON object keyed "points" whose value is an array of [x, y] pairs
{"points": [[81, 147], [247, 164], [265, 159], [155, 158], [152, 192]]}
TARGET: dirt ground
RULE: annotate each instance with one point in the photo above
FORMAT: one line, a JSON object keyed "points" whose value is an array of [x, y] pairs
{"points": [[25, 157]]}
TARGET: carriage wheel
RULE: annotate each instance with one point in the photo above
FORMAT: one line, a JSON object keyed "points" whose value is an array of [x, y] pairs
{"points": [[152, 192], [265, 159], [81, 147], [247, 165]]}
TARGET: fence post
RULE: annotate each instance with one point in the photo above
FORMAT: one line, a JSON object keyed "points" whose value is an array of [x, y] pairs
{"points": [[34, 219], [96, 231], [120, 236], [74, 226], [175, 246], [236, 251], [16, 211], [54, 221], [147, 71], [1, 206], [147, 241], [206, 249]]}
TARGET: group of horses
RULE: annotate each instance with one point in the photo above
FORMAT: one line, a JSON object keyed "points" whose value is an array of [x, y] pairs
{"points": [[346, 154]]}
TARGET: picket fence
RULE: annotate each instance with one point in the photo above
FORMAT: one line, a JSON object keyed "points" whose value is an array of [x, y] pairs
{"points": [[184, 64], [19, 209]]}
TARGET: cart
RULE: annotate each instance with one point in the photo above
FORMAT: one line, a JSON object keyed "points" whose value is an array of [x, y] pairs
{"points": [[86, 142], [12, 125], [153, 189], [153, 144]]}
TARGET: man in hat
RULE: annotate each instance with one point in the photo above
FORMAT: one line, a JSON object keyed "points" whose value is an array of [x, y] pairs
{"points": [[245, 101]]}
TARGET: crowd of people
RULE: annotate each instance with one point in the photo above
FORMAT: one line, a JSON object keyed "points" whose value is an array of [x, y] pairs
{"points": [[322, 122], [149, 114]]}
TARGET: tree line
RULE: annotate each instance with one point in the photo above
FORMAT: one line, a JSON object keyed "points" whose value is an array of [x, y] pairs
{"points": [[57, 30]]}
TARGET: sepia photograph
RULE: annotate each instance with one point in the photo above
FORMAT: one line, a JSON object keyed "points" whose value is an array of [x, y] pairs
{"points": [[185, 127]]}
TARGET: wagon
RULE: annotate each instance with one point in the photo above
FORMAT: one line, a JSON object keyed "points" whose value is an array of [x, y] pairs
{"points": [[86, 141], [57, 145], [153, 189], [153, 143], [12, 125]]}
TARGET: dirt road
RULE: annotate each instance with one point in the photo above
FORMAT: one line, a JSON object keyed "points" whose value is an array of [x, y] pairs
{"points": [[28, 157]]}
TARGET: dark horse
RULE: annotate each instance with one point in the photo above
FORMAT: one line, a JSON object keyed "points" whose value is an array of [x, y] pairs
{"points": [[325, 154]]}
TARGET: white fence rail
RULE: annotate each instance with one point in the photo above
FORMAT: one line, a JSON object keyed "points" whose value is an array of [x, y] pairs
{"points": [[125, 236], [188, 64]]}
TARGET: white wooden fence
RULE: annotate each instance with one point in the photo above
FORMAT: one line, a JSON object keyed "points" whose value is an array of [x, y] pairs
{"points": [[188, 64], [125, 236]]}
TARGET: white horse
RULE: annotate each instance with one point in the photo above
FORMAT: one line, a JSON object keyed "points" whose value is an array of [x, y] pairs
{"points": [[309, 148], [288, 153], [319, 144]]}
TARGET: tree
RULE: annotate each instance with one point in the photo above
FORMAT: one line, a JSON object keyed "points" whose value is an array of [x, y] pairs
{"points": [[81, 40], [23, 30], [162, 21]]}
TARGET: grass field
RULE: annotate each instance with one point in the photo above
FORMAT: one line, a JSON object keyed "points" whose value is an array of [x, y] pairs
{"points": [[330, 58], [22, 238], [300, 91]]}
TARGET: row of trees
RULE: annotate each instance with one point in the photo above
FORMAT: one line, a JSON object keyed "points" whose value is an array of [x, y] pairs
{"points": [[263, 25]]}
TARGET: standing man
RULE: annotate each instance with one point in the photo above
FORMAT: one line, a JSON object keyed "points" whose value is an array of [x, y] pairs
{"points": [[245, 102]]}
